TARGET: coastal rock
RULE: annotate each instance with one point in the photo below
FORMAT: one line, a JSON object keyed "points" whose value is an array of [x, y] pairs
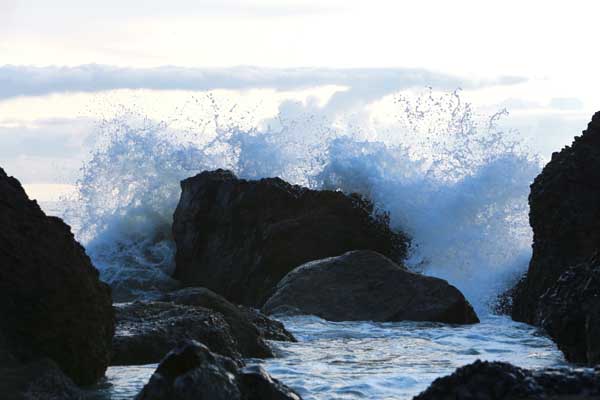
{"points": [[248, 335], [502, 381], [191, 371], [239, 238], [570, 312], [269, 328], [38, 380], [147, 331], [52, 303], [565, 217], [365, 285]]}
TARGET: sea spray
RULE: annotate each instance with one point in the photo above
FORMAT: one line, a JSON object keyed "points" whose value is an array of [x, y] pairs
{"points": [[455, 182]]}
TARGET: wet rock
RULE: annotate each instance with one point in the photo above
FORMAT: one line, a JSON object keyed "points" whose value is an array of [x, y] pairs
{"points": [[565, 217], [502, 381], [38, 380], [570, 312], [52, 303], [269, 328], [239, 238], [147, 331], [365, 285], [191, 371], [248, 335]]}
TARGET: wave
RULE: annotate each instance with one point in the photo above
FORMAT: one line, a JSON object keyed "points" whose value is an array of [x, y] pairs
{"points": [[456, 182]]}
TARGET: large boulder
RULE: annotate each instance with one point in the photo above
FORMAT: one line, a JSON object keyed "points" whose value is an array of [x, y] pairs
{"points": [[565, 217], [365, 285], [269, 328], [52, 303], [147, 331], [191, 371], [502, 381], [570, 312], [239, 238]]}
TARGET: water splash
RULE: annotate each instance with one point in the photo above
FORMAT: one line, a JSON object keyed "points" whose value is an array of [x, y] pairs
{"points": [[455, 181]]}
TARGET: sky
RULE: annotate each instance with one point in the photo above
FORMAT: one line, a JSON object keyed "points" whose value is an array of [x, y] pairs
{"points": [[62, 61]]}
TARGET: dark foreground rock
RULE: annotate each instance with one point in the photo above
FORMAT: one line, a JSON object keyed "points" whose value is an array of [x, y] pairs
{"points": [[364, 285], [52, 304], [239, 238], [191, 371], [250, 328], [570, 312], [147, 331], [565, 217], [502, 381]]}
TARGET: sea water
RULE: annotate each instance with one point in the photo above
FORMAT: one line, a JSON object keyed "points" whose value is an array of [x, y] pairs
{"points": [[455, 182]]}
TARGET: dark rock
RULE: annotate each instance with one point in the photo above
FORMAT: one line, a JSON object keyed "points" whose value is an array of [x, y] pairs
{"points": [[38, 380], [269, 328], [364, 285], [191, 371], [570, 312], [248, 336], [52, 303], [147, 331], [565, 217], [239, 238], [501, 381]]}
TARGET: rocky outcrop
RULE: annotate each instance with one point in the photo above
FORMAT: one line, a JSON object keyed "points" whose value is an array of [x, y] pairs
{"points": [[147, 331], [38, 380], [269, 328], [364, 285], [239, 238], [250, 328], [502, 381], [565, 217], [191, 371], [52, 304], [570, 312]]}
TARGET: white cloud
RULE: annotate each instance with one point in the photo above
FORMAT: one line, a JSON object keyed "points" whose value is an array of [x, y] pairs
{"points": [[370, 82]]}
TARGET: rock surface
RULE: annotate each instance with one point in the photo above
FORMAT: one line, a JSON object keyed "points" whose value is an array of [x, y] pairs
{"points": [[239, 238], [249, 335], [191, 371], [269, 328], [565, 217], [364, 285], [570, 312], [52, 303], [147, 331], [502, 381]]}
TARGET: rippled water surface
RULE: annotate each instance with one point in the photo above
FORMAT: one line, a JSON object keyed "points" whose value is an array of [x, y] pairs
{"points": [[366, 360]]}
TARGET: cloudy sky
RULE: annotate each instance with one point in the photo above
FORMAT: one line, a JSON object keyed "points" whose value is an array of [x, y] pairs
{"points": [[536, 58]]}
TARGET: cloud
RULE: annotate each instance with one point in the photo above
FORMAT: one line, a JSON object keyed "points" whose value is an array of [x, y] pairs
{"points": [[18, 81], [566, 103]]}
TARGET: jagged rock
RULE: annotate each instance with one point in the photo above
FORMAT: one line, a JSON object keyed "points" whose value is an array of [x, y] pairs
{"points": [[570, 312], [502, 381], [147, 331], [52, 303], [565, 217], [191, 371], [249, 336], [239, 238], [38, 380], [269, 328], [365, 285]]}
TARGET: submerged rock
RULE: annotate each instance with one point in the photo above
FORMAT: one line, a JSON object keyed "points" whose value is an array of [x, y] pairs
{"points": [[570, 312], [365, 285], [502, 381], [250, 330], [52, 303], [147, 331], [239, 238], [191, 371], [565, 217]]}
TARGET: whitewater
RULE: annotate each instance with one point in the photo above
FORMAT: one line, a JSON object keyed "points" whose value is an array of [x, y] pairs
{"points": [[455, 181]]}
